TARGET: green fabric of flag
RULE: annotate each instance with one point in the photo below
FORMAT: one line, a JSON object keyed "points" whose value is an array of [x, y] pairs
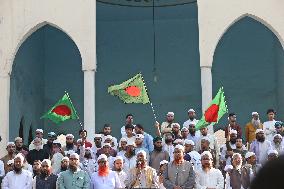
{"points": [[63, 110], [131, 91], [214, 112]]}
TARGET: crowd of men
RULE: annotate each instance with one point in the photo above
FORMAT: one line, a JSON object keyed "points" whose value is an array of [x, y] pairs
{"points": [[176, 158]]}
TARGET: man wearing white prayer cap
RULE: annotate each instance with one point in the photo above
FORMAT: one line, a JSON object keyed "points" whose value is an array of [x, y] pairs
{"points": [[39, 134], [252, 126], [11, 149], [139, 144], [105, 178], [70, 143], [74, 177], [87, 164], [142, 176], [166, 126], [18, 178], [278, 144], [208, 176], [98, 145], [260, 146], [272, 155], [191, 118], [179, 173], [191, 155], [118, 169], [251, 166]]}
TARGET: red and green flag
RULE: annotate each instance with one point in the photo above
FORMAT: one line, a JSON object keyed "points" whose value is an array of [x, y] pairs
{"points": [[214, 112], [63, 110], [131, 91]]}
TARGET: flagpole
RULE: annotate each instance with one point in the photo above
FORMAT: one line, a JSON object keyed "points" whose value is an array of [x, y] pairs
{"points": [[78, 119]]}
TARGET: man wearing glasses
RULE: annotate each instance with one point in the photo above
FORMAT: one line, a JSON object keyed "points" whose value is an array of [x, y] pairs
{"points": [[74, 177]]}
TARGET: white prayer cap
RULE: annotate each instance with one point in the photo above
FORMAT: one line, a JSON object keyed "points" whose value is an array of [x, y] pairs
{"points": [[249, 154], [130, 144], [56, 142], [277, 135], [272, 152], [39, 130], [206, 153], [191, 110], [10, 162], [70, 152], [164, 162], [178, 141], [171, 113], [228, 167], [10, 143], [106, 144], [79, 140], [19, 155], [187, 141], [75, 154], [184, 129], [141, 152], [118, 158], [65, 158], [102, 156], [180, 147], [254, 113], [47, 161], [206, 138], [70, 135], [233, 131], [236, 154], [122, 140], [139, 136], [176, 124], [108, 137], [258, 131], [97, 136], [18, 138]]}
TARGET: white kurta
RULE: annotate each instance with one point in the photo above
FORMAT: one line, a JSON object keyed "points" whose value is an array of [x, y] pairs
{"points": [[129, 163], [2, 170], [211, 179], [56, 162], [18, 181], [122, 177], [269, 129], [195, 160], [170, 150], [109, 182]]}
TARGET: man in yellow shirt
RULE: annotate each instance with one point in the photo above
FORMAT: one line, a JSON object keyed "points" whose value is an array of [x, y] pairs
{"points": [[252, 126]]}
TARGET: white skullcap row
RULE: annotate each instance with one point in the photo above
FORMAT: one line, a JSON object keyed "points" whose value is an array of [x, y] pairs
{"points": [[233, 131], [258, 131], [70, 135], [102, 156], [139, 136], [141, 152], [249, 154], [254, 113], [19, 155], [206, 153], [187, 141], [10, 162], [39, 130], [180, 147], [171, 113], [164, 162], [10, 143], [277, 135], [47, 161], [272, 152], [191, 110]]}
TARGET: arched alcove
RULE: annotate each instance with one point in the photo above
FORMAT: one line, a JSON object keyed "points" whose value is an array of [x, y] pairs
{"points": [[248, 62], [46, 64]]}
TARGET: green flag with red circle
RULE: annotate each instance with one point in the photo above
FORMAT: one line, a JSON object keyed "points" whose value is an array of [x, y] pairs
{"points": [[63, 110], [131, 91], [214, 112]]}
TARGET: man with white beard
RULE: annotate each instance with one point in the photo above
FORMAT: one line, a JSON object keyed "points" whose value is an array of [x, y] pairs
{"points": [[252, 126], [118, 169], [277, 144], [18, 178], [260, 146], [105, 178], [208, 177]]}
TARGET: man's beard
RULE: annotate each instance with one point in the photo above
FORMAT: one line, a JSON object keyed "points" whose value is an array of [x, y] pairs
{"points": [[255, 123], [17, 170], [73, 168], [19, 148], [260, 139], [103, 171], [159, 149], [118, 169], [206, 165], [63, 168], [69, 145], [178, 160], [44, 173], [88, 155], [167, 141], [192, 132], [233, 141]]}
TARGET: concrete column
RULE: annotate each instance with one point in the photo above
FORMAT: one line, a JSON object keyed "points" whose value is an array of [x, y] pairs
{"points": [[4, 111], [206, 86], [89, 103]]}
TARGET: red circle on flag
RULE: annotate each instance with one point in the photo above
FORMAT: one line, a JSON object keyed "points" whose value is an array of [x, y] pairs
{"points": [[211, 114], [133, 91], [62, 110]]}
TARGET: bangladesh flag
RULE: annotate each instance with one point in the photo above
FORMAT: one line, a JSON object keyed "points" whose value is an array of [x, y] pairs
{"points": [[216, 110], [61, 111], [131, 91]]}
